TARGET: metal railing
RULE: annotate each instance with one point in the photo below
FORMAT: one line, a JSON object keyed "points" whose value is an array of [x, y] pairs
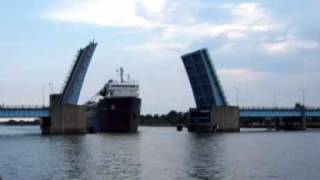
{"points": [[23, 107], [276, 108]]}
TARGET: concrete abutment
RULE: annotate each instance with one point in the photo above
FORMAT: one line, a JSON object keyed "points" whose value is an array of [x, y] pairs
{"points": [[65, 119], [217, 119]]}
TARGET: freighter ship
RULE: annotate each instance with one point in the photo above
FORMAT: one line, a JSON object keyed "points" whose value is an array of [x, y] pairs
{"points": [[118, 107]]}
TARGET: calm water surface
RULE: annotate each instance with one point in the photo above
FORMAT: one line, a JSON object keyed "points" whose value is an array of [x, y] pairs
{"points": [[159, 153]]}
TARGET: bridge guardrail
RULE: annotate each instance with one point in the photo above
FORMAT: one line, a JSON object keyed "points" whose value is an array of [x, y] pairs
{"points": [[270, 108], [23, 107]]}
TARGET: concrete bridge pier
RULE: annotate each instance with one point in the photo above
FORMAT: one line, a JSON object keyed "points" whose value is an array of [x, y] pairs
{"points": [[45, 124], [217, 119], [226, 118], [65, 119], [290, 123], [304, 122], [277, 123]]}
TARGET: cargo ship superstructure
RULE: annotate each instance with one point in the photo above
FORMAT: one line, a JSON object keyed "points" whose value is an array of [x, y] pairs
{"points": [[117, 109]]}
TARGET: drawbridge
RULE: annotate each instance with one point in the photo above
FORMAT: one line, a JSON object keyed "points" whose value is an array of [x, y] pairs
{"points": [[70, 92], [205, 84], [208, 94]]}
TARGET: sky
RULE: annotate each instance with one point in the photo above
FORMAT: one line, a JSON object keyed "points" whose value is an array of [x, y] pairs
{"points": [[269, 50]]}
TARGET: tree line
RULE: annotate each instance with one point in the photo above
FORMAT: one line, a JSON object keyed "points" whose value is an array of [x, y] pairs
{"points": [[170, 119]]}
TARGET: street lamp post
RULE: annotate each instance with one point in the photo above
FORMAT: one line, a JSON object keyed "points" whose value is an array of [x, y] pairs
{"points": [[237, 94]]}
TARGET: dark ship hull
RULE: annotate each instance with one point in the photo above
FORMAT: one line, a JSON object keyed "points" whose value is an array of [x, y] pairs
{"points": [[119, 114]]}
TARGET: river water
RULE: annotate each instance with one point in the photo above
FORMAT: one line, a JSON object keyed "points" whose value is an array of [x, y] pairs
{"points": [[159, 153]]}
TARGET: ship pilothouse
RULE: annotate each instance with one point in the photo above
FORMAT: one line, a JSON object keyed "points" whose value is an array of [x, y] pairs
{"points": [[120, 88]]}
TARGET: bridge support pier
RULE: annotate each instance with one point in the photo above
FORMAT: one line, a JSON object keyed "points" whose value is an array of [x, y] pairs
{"points": [[290, 123], [45, 124], [304, 122], [200, 121], [218, 119], [65, 119], [277, 124], [226, 118]]}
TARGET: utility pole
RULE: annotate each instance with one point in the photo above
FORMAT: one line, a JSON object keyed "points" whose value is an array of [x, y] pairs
{"points": [[43, 94]]}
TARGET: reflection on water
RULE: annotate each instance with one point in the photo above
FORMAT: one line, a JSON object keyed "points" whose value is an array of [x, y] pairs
{"points": [[159, 153], [203, 157]]}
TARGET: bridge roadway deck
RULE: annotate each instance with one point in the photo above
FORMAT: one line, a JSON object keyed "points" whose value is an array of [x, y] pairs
{"points": [[278, 112], [245, 112], [24, 111]]}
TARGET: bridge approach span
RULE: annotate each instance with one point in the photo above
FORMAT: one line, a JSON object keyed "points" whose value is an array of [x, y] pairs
{"points": [[24, 112], [272, 112]]}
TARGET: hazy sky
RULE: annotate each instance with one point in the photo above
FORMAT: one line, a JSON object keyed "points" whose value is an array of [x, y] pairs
{"points": [[265, 48]]}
